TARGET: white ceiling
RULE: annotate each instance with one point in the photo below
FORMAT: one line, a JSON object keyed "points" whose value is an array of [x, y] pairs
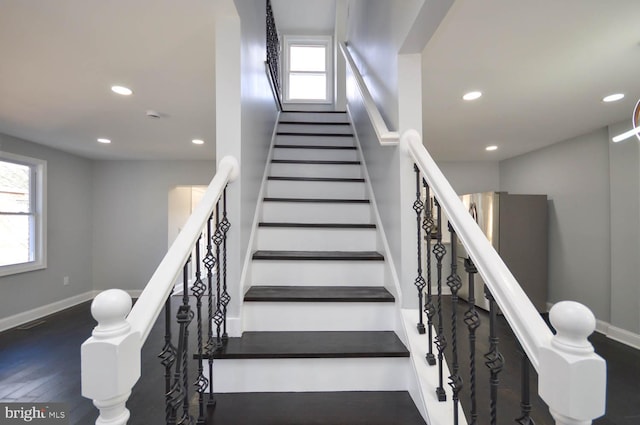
{"points": [[60, 58], [543, 65]]}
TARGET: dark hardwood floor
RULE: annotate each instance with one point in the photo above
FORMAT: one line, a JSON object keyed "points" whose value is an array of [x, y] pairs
{"points": [[42, 364]]}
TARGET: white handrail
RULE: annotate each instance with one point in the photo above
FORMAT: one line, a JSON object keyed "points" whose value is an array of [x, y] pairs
{"points": [[523, 317], [151, 301], [571, 377], [385, 136], [110, 358]]}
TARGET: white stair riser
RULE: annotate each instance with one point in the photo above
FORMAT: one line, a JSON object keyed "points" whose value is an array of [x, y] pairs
{"points": [[296, 375], [319, 316], [316, 239], [315, 189], [305, 117], [317, 273], [317, 154], [314, 128], [316, 170], [283, 139], [310, 212]]}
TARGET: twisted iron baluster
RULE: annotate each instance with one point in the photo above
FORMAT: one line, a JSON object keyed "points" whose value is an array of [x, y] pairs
{"points": [[472, 320], [209, 263], [419, 282], [225, 298], [439, 251], [179, 394], [429, 309], [168, 359], [525, 403], [218, 316], [454, 283], [199, 289], [493, 359]]}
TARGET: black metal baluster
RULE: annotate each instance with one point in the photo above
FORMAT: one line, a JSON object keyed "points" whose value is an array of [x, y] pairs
{"points": [[218, 316], [273, 47], [439, 251], [525, 403], [472, 320], [493, 359], [225, 298], [199, 289], [429, 309], [168, 356], [419, 282], [209, 263], [454, 283]]}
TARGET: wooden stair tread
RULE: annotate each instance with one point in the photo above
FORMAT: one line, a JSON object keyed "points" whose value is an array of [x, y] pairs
{"points": [[319, 225], [317, 179], [286, 146], [318, 294], [313, 162], [318, 255], [319, 200], [316, 408], [313, 345], [313, 123], [302, 133]]}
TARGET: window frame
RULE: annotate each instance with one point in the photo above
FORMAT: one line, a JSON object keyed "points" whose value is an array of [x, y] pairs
{"points": [[38, 204], [308, 41]]}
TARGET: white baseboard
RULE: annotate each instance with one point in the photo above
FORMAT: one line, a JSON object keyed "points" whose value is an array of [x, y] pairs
{"points": [[45, 310]]}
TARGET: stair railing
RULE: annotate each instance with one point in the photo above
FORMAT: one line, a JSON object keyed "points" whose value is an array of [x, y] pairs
{"points": [[110, 364], [571, 377], [272, 63]]}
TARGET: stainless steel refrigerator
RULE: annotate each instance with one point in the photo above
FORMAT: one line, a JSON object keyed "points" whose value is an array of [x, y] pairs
{"points": [[516, 226]]}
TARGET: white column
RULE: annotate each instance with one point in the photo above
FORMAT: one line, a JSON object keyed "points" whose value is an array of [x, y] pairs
{"points": [[572, 377], [110, 359]]}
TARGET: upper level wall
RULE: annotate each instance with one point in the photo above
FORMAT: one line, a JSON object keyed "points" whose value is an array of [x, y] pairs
{"points": [[376, 30]]}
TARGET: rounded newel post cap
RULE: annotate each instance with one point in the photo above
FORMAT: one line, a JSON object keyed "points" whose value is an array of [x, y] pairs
{"points": [[110, 309], [573, 322], [231, 162]]}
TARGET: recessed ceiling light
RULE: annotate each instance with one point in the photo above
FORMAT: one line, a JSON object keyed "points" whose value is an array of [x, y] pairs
{"points": [[125, 91], [197, 142], [613, 97], [472, 95], [491, 148], [105, 141]]}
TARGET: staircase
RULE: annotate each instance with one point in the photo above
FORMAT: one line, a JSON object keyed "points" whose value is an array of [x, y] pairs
{"points": [[320, 344]]}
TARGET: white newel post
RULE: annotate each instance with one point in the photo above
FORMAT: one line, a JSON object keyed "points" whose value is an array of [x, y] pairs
{"points": [[572, 377], [110, 359]]}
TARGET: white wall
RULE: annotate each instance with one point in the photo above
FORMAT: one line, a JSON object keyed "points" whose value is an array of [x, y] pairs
{"points": [[69, 236], [624, 165], [130, 216], [575, 176]]}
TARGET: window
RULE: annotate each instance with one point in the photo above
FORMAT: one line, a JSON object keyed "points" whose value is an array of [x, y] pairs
{"points": [[308, 65], [22, 214]]}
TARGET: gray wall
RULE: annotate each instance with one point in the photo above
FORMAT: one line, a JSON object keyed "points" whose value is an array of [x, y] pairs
{"points": [[472, 176], [130, 205], [69, 232], [575, 176], [624, 166]]}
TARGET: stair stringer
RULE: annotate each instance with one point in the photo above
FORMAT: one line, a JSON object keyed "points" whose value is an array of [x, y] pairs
{"points": [[245, 276], [421, 385]]}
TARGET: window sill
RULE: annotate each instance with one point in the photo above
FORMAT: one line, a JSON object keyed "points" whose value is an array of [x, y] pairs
{"points": [[21, 268]]}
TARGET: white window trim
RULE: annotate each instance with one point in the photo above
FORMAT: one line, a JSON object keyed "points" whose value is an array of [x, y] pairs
{"points": [[318, 40], [40, 212]]}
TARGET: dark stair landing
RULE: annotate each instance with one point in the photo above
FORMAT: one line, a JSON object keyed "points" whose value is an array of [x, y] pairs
{"points": [[319, 255], [319, 294], [319, 408]]}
